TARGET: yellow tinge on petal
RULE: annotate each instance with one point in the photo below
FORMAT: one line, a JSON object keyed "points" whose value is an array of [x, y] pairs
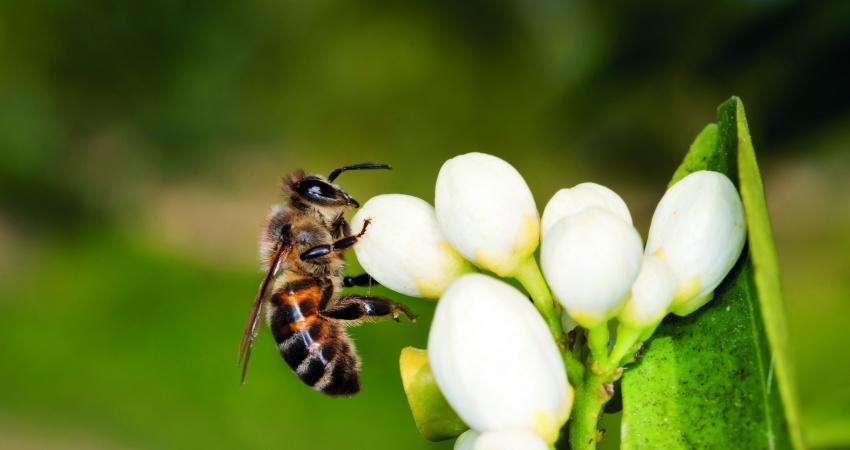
{"points": [[432, 288], [686, 291], [504, 265], [529, 237], [585, 319], [462, 265], [497, 264], [546, 425]]}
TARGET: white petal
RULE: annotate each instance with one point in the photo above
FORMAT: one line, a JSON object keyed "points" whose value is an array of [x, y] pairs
{"points": [[698, 229], [652, 293], [571, 201], [487, 212], [500, 440], [404, 249], [590, 261], [494, 360]]}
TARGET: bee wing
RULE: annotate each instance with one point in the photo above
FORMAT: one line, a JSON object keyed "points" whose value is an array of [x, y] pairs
{"points": [[250, 333]]}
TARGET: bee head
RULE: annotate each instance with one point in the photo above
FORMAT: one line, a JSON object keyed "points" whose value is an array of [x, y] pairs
{"points": [[317, 191]]}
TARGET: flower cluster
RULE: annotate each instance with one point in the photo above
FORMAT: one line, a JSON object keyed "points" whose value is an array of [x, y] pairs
{"points": [[502, 362]]}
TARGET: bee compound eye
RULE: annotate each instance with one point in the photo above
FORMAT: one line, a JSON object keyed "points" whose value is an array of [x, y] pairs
{"points": [[313, 188]]}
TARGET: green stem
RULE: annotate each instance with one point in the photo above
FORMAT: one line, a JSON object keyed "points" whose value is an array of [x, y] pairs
{"points": [[597, 386], [593, 391], [627, 338], [575, 370], [647, 332], [591, 396], [529, 275], [597, 339]]}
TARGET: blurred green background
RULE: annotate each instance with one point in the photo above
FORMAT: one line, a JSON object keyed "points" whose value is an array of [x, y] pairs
{"points": [[141, 144]]}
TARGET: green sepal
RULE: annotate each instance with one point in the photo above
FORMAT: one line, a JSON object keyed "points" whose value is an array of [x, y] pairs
{"points": [[435, 419]]}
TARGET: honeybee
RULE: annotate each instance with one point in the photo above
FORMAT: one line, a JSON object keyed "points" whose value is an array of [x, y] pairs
{"points": [[301, 252]]}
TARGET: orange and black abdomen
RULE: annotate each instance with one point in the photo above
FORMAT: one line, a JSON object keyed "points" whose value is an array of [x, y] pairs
{"points": [[317, 349]]}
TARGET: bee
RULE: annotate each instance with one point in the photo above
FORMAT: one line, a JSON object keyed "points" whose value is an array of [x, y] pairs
{"points": [[301, 252]]}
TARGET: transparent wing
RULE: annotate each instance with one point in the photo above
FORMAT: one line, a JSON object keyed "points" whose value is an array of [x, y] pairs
{"points": [[254, 318]]}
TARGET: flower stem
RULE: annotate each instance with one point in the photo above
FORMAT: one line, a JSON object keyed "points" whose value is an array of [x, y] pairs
{"points": [[529, 275], [597, 339], [591, 396], [627, 338]]}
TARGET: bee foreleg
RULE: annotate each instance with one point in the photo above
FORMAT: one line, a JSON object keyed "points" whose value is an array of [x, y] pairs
{"points": [[340, 227], [341, 244], [363, 307]]}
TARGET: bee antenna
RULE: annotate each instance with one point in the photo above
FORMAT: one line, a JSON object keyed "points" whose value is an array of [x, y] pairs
{"points": [[358, 166]]}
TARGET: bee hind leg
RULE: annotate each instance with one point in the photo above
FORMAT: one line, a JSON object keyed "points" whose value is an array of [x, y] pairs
{"points": [[358, 308]]}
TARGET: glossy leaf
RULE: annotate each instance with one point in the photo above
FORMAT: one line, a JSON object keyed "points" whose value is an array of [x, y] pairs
{"points": [[720, 377], [435, 419]]}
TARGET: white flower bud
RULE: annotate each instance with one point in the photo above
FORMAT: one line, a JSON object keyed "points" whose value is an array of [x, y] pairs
{"points": [[590, 261], [487, 212], [698, 229], [403, 247], [652, 293], [499, 440], [571, 201], [495, 361]]}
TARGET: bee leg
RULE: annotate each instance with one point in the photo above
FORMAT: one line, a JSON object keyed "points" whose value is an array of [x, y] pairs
{"points": [[341, 244], [340, 227], [316, 252], [325, 250], [360, 280], [363, 307]]}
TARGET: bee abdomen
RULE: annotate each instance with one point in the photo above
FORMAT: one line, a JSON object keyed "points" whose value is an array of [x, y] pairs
{"points": [[315, 348], [343, 375]]}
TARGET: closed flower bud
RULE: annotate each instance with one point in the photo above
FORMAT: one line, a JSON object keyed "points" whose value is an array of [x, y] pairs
{"points": [[403, 247], [499, 440], [590, 261], [495, 361], [487, 212], [571, 201], [652, 293], [698, 229]]}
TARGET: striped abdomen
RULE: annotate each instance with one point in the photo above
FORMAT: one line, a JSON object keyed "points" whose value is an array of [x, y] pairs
{"points": [[317, 349]]}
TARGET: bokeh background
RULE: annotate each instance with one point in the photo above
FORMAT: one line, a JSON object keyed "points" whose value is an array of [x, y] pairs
{"points": [[142, 142]]}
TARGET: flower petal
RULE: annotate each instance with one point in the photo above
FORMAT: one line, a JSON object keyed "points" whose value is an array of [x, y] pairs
{"points": [[590, 260], [698, 228], [404, 249], [573, 200], [487, 212], [494, 360], [652, 293], [500, 440]]}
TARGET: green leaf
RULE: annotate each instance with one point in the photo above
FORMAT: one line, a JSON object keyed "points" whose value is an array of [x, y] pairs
{"points": [[721, 377], [435, 419]]}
